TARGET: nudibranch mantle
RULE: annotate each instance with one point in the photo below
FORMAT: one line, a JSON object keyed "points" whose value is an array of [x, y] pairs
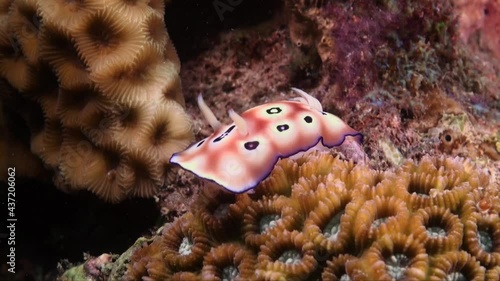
{"points": [[240, 155]]}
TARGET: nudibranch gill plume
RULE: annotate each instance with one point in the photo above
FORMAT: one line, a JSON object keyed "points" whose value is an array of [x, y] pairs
{"points": [[240, 155]]}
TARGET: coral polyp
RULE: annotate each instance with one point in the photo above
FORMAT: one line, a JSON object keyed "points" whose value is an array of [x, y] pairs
{"points": [[185, 243], [394, 256], [438, 228], [229, 262]]}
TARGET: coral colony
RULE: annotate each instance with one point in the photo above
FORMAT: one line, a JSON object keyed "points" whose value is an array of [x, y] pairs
{"points": [[322, 218], [104, 81], [240, 155]]}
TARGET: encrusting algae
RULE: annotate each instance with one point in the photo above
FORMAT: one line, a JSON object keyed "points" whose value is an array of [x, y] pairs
{"points": [[103, 78], [323, 218]]}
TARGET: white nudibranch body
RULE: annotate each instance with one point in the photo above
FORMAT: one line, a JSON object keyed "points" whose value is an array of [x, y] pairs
{"points": [[240, 155]]}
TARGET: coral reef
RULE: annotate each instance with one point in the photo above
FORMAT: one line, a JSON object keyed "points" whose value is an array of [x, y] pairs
{"points": [[401, 87], [100, 94], [323, 217], [403, 47], [441, 98]]}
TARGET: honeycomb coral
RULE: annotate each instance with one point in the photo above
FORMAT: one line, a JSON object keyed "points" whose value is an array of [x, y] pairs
{"points": [[104, 76], [324, 226]]}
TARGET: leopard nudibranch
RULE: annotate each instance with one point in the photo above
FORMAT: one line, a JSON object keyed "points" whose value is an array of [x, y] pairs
{"points": [[240, 155]]}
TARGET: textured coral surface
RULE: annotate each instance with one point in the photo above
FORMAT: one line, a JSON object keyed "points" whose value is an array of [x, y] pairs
{"points": [[322, 218], [94, 91]]}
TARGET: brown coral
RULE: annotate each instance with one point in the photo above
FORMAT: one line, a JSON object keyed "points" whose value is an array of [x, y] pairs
{"points": [[327, 226], [228, 262], [335, 270], [84, 165], [266, 216], [184, 243], [329, 223], [441, 181], [482, 235], [147, 261], [438, 228], [69, 14], [212, 209], [58, 49], [291, 256], [281, 180], [108, 86], [458, 265], [393, 257], [24, 25], [378, 217]]}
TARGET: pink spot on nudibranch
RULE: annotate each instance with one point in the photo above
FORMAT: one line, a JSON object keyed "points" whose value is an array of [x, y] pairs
{"points": [[240, 155]]}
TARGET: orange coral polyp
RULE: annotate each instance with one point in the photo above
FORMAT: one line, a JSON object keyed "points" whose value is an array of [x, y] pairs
{"points": [[420, 187], [184, 243], [385, 184], [185, 276], [266, 216], [482, 238], [361, 176], [99, 126], [305, 191], [436, 188], [327, 225], [287, 257], [318, 164], [438, 228], [212, 208], [229, 262], [280, 181], [460, 264], [379, 216], [335, 269], [147, 262], [394, 256], [493, 273]]}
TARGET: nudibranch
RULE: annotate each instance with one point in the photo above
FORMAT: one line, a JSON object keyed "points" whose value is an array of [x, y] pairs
{"points": [[240, 155]]}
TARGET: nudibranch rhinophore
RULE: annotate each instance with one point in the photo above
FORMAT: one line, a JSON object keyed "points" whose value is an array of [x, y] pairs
{"points": [[240, 155]]}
